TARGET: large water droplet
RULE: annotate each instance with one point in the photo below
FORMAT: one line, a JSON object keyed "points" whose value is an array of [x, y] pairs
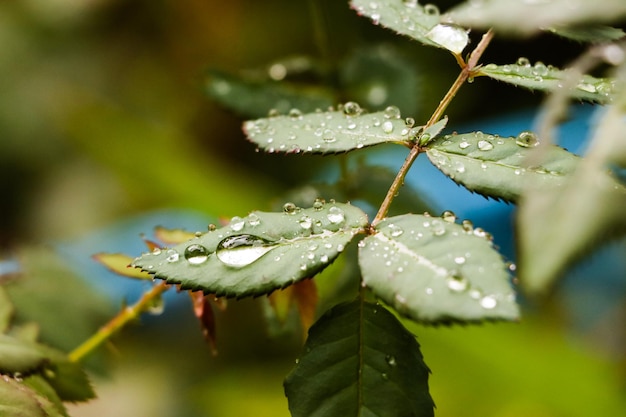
{"points": [[523, 62], [527, 139], [172, 256], [237, 223], [253, 219], [387, 127], [485, 145], [335, 215], [318, 204], [540, 69], [351, 109], [464, 144], [295, 114], [306, 222], [196, 254], [488, 302], [290, 208], [392, 112], [242, 250], [448, 216]]}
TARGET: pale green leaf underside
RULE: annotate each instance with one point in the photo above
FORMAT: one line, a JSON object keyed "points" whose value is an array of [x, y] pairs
{"points": [[19, 400], [527, 17], [267, 251], [359, 361], [591, 33], [17, 356], [254, 97], [496, 166], [545, 78], [433, 270], [327, 132], [414, 20]]}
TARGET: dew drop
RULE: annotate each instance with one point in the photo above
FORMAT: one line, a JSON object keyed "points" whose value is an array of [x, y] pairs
{"points": [[438, 227], [527, 139], [295, 114], [459, 260], [328, 136], [196, 254], [237, 223], [523, 62], [392, 112], [456, 282], [488, 302], [306, 222], [395, 230], [448, 216], [429, 291], [156, 251], [410, 3], [290, 208], [242, 250], [318, 205], [273, 113], [351, 109], [409, 122], [391, 360], [431, 9], [540, 69], [324, 258], [172, 256], [459, 167], [468, 226], [464, 144], [485, 145], [335, 215], [253, 219], [387, 127]]}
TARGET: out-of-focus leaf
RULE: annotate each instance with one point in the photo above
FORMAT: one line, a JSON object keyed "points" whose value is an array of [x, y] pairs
{"points": [[120, 264], [591, 33], [19, 400], [409, 18], [495, 166], [172, 236], [251, 97], [17, 356], [6, 311], [204, 313], [38, 384], [524, 18], [546, 78], [305, 295], [431, 269], [359, 361], [328, 132], [379, 76], [67, 378], [35, 294], [259, 253]]}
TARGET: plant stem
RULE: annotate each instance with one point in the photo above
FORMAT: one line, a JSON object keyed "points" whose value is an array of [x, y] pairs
{"points": [[466, 72], [126, 315]]}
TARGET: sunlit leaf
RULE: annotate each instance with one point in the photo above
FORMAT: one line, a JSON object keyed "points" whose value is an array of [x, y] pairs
{"points": [[259, 253], [433, 270], [120, 264], [546, 78], [172, 236], [6, 311], [591, 33], [328, 132], [254, 97], [409, 18], [359, 361], [17, 356], [497, 166], [527, 17], [19, 400]]}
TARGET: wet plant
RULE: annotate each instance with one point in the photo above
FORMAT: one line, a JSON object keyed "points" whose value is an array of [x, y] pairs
{"points": [[359, 358]]}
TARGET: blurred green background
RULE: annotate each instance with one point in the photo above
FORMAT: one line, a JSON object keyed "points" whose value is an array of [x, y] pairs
{"points": [[103, 116]]}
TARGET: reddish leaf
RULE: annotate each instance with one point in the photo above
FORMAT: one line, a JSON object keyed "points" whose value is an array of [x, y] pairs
{"points": [[204, 312], [305, 295]]}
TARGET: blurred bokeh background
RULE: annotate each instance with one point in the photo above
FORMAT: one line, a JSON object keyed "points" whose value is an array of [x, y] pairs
{"points": [[108, 127]]}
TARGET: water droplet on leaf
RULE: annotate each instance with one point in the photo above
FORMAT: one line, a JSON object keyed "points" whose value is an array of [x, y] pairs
{"points": [[523, 62], [172, 256], [527, 139], [456, 282], [488, 302], [335, 215], [351, 109], [295, 114], [392, 112], [485, 145], [196, 254], [448, 216], [431, 9], [290, 208], [391, 360], [387, 127], [395, 230], [237, 223], [242, 250]]}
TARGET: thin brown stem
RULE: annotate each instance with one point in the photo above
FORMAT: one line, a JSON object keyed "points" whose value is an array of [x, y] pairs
{"points": [[466, 71], [124, 317]]}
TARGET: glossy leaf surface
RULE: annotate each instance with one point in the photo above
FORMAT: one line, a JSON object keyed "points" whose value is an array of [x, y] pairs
{"points": [[359, 361], [259, 253], [496, 166], [431, 269], [410, 18], [545, 78], [328, 132]]}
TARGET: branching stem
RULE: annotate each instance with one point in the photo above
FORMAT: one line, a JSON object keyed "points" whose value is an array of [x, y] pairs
{"points": [[120, 320], [467, 71]]}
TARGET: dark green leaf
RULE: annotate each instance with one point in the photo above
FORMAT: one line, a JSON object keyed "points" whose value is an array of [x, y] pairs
{"points": [[67, 378], [328, 132], [6, 311], [591, 33], [38, 384], [359, 361], [253, 97], [409, 18], [528, 17], [434, 270], [261, 252], [17, 356], [19, 400], [496, 166], [546, 78]]}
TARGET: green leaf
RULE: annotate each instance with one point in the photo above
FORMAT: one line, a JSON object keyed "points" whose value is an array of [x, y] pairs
{"points": [[254, 97], [497, 166], [431, 269], [68, 379], [527, 17], [590, 33], [328, 132], [259, 253], [547, 78], [17, 356], [19, 400], [409, 18], [359, 361], [431, 132], [38, 384], [6, 311]]}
